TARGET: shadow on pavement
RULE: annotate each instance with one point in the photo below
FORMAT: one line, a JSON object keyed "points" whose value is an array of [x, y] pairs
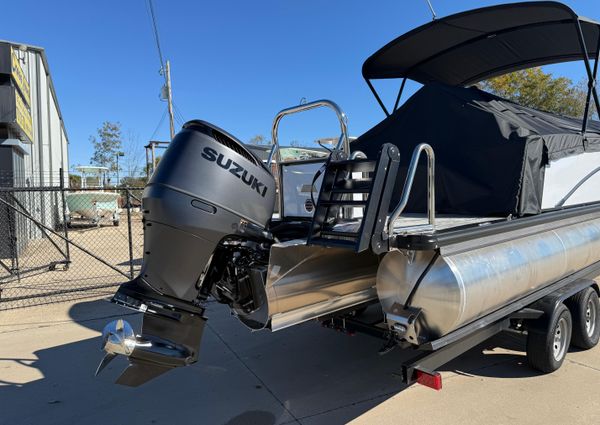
{"points": [[291, 376]]}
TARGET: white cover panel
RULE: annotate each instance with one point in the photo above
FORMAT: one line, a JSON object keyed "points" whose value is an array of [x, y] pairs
{"points": [[562, 175]]}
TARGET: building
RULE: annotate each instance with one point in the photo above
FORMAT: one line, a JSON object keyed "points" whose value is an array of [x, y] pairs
{"points": [[33, 150], [33, 140]]}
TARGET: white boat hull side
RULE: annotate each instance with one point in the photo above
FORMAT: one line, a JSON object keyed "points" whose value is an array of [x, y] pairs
{"points": [[91, 205]]}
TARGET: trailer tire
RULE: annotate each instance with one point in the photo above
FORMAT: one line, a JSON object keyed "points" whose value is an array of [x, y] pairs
{"points": [[585, 309], [546, 350]]}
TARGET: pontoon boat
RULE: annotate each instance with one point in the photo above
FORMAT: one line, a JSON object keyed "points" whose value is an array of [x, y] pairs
{"points": [[497, 228]]}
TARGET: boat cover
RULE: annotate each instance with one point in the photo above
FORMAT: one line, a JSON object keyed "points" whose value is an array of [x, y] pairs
{"points": [[490, 153], [475, 45]]}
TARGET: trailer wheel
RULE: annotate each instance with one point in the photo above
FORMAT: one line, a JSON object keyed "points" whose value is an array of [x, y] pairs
{"points": [[547, 350], [585, 309]]}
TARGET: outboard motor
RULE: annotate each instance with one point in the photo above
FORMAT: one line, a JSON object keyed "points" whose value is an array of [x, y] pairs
{"points": [[209, 200], [207, 186]]}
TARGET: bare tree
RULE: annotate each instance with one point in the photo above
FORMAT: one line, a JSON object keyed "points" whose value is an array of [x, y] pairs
{"points": [[133, 161], [259, 139]]}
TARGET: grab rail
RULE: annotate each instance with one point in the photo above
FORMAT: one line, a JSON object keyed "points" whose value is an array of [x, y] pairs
{"points": [[577, 186], [414, 162], [343, 143]]}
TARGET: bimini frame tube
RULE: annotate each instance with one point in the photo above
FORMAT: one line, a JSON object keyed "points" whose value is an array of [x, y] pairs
{"points": [[387, 114], [590, 73]]}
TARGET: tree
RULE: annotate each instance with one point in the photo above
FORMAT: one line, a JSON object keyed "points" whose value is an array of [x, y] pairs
{"points": [[74, 181], [259, 139], [131, 181], [540, 90], [107, 145], [134, 153]]}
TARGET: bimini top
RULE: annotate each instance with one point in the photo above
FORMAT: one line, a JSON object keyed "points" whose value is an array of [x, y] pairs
{"points": [[468, 47]]}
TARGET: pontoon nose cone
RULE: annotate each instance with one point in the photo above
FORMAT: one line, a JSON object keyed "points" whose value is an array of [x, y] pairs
{"points": [[117, 338]]}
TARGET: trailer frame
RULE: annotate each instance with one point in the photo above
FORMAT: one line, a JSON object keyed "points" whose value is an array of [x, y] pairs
{"points": [[523, 312]]}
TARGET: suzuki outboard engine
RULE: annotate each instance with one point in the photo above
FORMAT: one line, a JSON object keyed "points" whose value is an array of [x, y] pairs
{"points": [[206, 187], [209, 200]]}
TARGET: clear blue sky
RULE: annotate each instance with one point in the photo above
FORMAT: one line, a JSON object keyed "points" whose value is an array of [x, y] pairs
{"points": [[234, 63]]}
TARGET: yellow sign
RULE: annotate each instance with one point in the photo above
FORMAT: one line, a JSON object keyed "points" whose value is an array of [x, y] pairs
{"points": [[23, 117], [19, 76]]}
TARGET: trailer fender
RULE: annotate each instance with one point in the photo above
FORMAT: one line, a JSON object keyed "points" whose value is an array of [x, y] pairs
{"points": [[550, 303]]}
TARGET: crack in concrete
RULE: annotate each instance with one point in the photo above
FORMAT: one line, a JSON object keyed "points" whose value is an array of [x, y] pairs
{"points": [[333, 409], [583, 365]]}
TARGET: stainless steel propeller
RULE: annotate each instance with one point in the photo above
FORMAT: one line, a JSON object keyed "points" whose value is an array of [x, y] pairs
{"points": [[117, 338]]}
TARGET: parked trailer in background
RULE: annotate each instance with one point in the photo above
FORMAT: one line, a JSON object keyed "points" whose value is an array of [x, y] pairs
{"points": [[453, 251]]}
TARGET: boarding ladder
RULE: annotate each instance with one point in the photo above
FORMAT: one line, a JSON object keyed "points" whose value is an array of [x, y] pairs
{"points": [[330, 225], [338, 194]]}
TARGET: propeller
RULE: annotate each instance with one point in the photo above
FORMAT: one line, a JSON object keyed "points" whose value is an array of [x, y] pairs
{"points": [[117, 338]]}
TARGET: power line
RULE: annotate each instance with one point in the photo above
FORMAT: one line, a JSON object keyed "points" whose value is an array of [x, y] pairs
{"points": [[179, 113], [160, 122], [156, 38], [177, 117], [165, 71]]}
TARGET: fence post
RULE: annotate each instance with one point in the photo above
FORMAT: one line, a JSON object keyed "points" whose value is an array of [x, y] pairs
{"points": [[129, 232], [12, 238], [64, 216]]}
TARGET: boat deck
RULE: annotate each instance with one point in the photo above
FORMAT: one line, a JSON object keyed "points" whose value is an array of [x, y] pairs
{"points": [[417, 223]]}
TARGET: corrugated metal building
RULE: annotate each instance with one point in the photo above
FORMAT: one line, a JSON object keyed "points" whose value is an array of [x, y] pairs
{"points": [[33, 140], [33, 149]]}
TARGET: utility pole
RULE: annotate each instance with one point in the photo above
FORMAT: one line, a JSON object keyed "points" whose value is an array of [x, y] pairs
{"points": [[170, 98], [118, 154]]}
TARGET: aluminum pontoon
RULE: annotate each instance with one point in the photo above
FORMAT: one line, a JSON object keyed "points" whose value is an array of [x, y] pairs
{"points": [[481, 237]]}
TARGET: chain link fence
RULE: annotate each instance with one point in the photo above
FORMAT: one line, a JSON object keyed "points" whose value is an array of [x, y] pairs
{"points": [[59, 244]]}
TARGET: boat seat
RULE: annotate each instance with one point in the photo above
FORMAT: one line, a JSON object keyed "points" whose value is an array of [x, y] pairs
{"points": [[288, 230]]}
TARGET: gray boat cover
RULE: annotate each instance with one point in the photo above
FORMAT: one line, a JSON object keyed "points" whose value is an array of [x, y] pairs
{"points": [[490, 153]]}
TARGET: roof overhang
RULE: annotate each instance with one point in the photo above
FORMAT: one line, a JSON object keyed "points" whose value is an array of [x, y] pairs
{"points": [[472, 46]]}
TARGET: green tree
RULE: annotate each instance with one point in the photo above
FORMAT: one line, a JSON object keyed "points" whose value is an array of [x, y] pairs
{"points": [[540, 90], [106, 145], [74, 181]]}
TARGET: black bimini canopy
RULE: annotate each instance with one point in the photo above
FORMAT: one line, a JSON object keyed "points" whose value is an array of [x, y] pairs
{"points": [[472, 46]]}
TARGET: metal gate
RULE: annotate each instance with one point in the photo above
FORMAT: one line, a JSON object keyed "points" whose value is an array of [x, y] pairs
{"points": [[59, 244]]}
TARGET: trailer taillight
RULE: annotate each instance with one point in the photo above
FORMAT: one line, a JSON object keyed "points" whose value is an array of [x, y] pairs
{"points": [[430, 379]]}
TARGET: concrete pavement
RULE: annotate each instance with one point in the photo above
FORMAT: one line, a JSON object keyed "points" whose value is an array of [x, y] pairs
{"points": [[305, 375]]}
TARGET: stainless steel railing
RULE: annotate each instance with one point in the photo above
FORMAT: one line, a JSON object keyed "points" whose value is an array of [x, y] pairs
{"points": [[577, 186], [410, 176], [343, 143]]}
